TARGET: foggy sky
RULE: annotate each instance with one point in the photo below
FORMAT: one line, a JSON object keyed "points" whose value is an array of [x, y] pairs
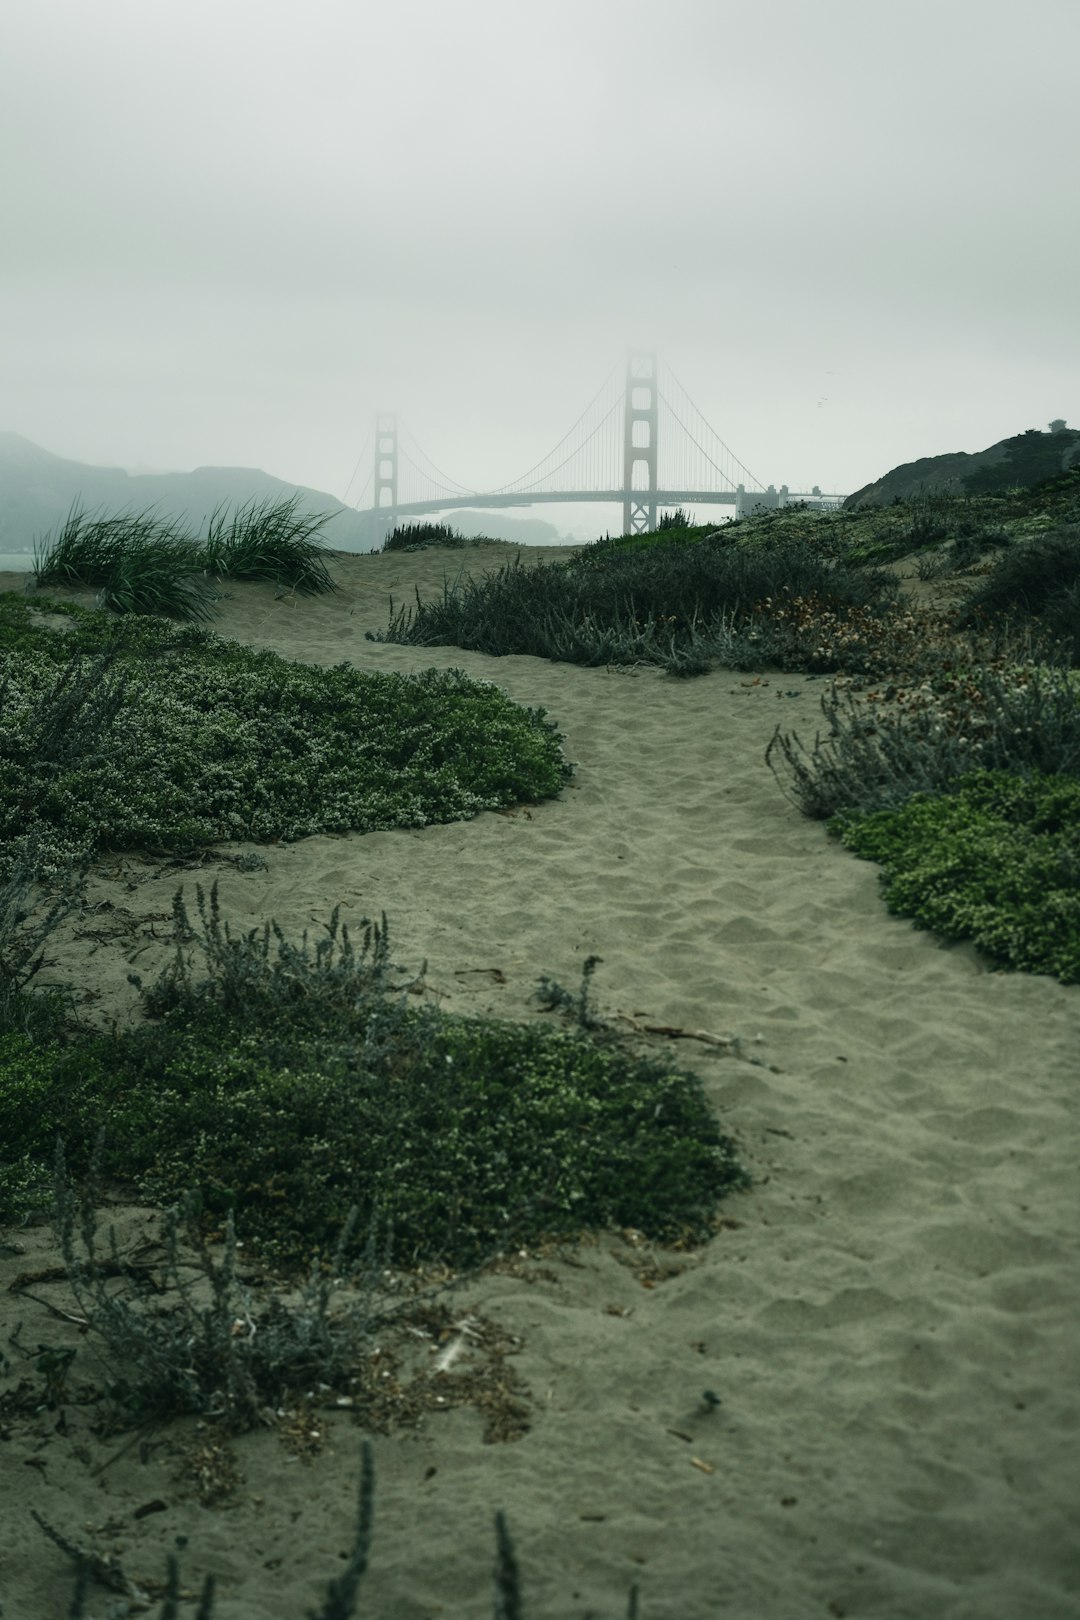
{"points": [[234, 229]]}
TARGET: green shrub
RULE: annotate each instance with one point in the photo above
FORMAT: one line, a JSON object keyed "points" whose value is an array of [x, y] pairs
{"points": [[288, 1087], [461, 1137], [1038, 579], [176, 745], [996, 860], [663, 603]]}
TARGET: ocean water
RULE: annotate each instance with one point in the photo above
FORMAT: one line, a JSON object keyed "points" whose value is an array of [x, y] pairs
{"points": [[16, 562]]}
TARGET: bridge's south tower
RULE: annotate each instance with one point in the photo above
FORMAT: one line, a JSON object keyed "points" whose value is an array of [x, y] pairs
{"points": [[639, 444]]}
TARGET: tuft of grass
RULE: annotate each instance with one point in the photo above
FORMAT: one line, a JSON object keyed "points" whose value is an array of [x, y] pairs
{"points": [[269, 540], [995, 860], [419, 536], [415, 536], [142, 562], [148, 564]]}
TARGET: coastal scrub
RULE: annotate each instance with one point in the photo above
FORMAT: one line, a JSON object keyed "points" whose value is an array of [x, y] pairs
{"points": [[172, 743]]}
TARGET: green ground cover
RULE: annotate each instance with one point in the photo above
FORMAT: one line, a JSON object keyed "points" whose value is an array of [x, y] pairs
{"points": [[292, 1085], [140, 733], [289, 1084], [995, 860]]}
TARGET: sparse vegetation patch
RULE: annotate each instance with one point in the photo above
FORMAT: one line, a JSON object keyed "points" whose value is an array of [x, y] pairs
{"points": [[287, 1084]]}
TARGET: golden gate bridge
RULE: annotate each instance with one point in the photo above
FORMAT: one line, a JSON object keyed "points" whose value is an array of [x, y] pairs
{"points": [[641, 441]]}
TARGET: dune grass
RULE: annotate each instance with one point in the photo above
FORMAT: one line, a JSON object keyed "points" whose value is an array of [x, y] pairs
{"points": [[143, 564], [149, 564], [268, 540]]}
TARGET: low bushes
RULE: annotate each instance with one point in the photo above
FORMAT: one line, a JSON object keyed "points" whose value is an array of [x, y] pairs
{"points": [[875, 755], [672, 602], [1038, 580], [969, 796], [289, 1087], [172, 740], [995, 860]]}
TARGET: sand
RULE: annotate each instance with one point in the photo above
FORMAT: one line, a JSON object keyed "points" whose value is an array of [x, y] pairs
{"points": [[889, 1319]]}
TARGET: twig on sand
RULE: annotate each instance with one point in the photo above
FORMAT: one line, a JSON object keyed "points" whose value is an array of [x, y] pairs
{"points": [[732, 1045], [731, 1042]]}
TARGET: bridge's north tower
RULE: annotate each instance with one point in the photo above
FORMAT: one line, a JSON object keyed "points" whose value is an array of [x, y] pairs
{"points": [[639, 443], [386, 464]]}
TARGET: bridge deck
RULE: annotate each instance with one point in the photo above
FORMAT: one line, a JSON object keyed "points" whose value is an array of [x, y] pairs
{"points": [[613, 497]]}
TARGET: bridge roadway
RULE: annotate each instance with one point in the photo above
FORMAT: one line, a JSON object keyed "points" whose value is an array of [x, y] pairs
{"points": [[613, 497]]}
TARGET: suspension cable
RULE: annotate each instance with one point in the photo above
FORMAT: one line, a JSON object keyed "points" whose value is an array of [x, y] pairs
{"points": [[356, 469], [724, 473], [507, 488], [447, 489], [751, 476], [510, 489], [450, 483]]}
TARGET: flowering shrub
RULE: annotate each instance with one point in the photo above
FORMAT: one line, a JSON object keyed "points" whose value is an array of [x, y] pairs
{"points": [[213, 741], [995, 860]]}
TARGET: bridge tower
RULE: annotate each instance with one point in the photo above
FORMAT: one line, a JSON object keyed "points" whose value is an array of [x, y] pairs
{"points": [[639, 443], [386, 465]]}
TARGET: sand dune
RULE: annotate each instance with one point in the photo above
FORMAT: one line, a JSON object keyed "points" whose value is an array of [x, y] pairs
{"points": [[889, 1319]]}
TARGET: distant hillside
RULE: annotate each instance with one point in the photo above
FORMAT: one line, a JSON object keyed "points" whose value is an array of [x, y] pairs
{"points": [[38, 489], [1020, 462]]}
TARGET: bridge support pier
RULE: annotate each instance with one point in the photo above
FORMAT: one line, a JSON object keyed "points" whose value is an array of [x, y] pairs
{"points": [[640, 417], [386, 467]]}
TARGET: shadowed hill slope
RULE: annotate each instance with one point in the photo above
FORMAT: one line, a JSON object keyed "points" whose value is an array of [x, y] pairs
{"points": [[1020, 462], [38, 489]]}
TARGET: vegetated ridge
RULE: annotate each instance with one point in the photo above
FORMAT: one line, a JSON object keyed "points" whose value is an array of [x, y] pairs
{"points": [[1021, 462]]}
